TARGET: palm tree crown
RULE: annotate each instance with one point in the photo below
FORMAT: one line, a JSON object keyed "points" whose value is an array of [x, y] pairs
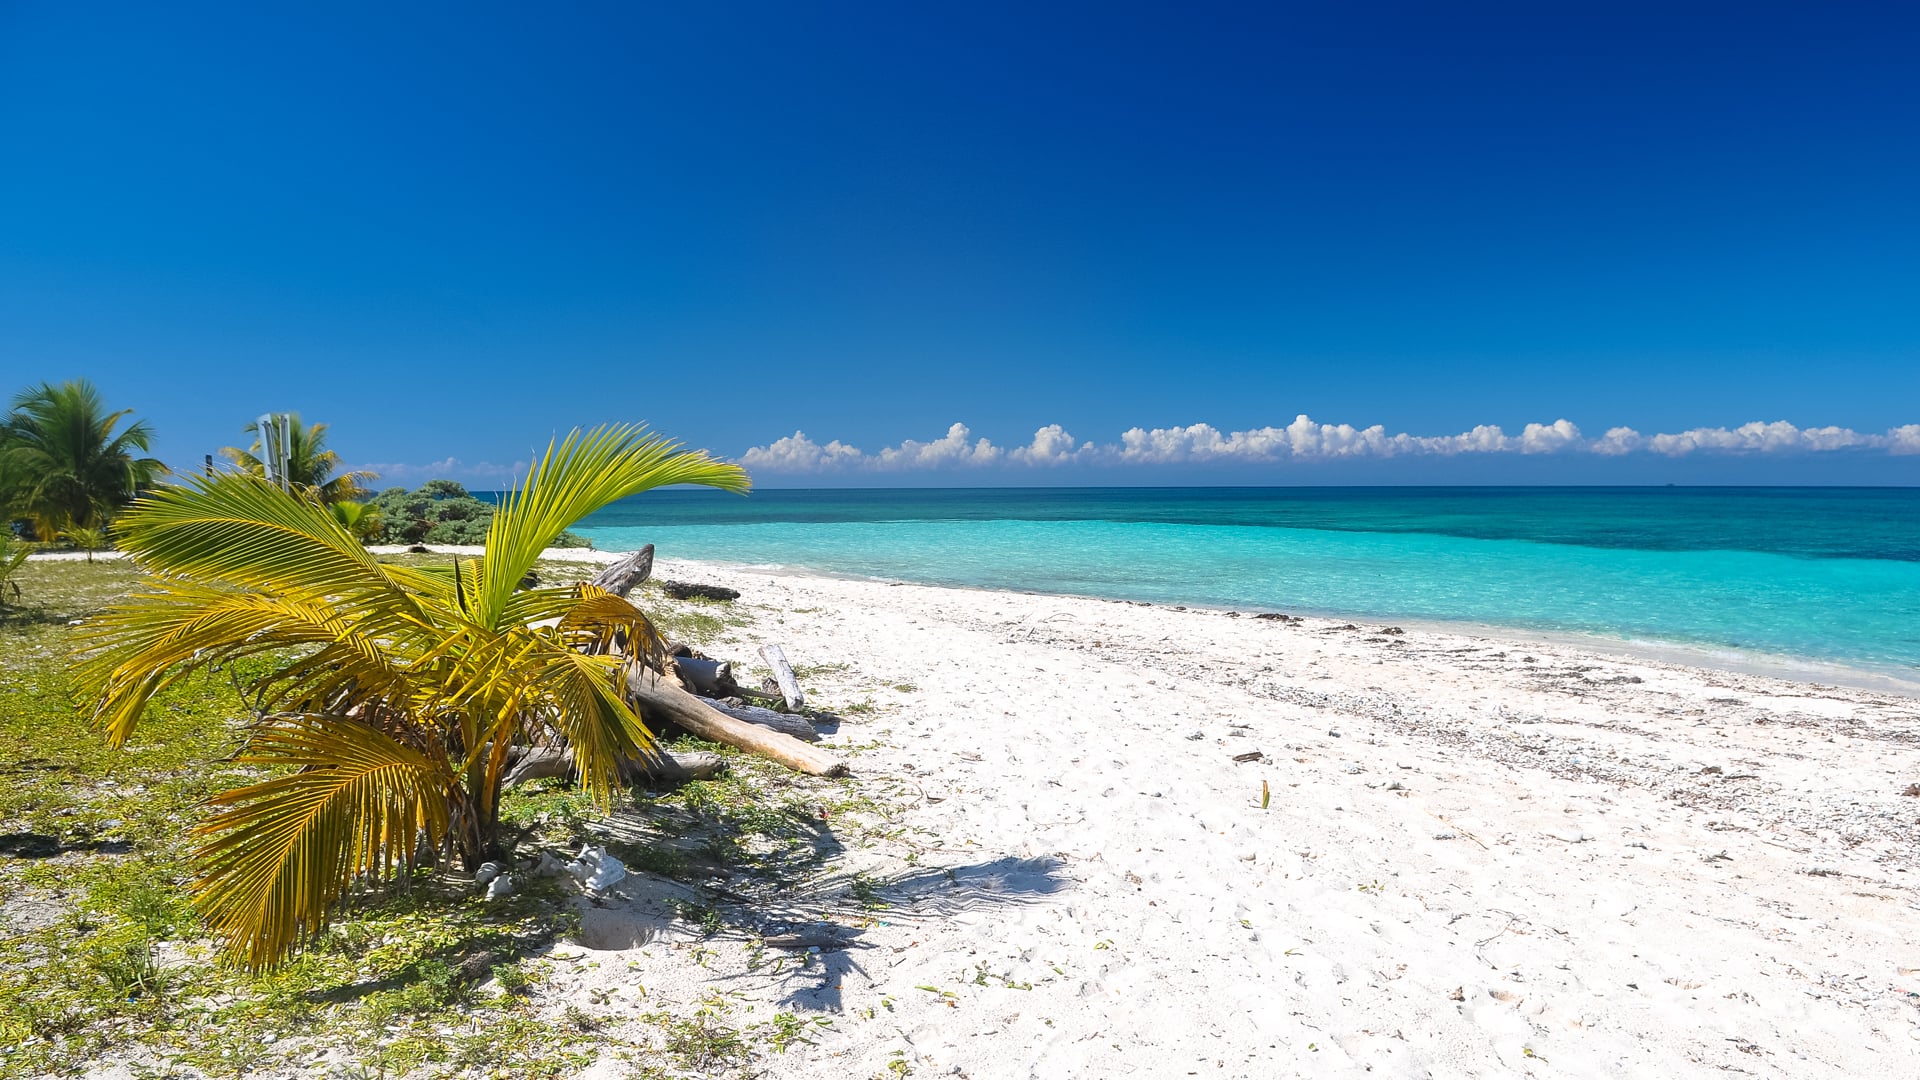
{"points": [[397, 693], [62, 464], [311, 467]]}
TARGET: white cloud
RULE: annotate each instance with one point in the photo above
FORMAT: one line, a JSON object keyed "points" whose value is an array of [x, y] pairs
{"points": [[1620, 440], [1307, 440], [1052, 445], [953, 449], [1549, 438], [482, 475], [797, 453], [1763, 438]]}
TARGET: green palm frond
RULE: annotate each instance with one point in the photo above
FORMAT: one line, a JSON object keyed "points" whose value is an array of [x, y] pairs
{"points": [[240, 529], [277, 856], [576, 477], [591, 714], [13, 555]]}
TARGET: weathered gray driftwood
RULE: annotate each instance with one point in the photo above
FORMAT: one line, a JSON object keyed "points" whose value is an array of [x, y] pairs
{"points": [[783, 675], [796, 726], [621, 578], [658, 697], [708, 678], [557, 763]]}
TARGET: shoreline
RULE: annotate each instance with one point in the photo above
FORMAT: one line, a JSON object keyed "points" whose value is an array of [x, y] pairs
{"points": [[1724, 658], [1721, 658]]}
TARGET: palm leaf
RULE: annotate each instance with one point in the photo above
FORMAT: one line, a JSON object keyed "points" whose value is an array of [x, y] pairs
{"points": [[240, 529], [155, 637], [574, 478], [278, 856]]}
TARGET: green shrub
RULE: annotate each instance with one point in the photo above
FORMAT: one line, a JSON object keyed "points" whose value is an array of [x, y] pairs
{"points": [[440, 512]]}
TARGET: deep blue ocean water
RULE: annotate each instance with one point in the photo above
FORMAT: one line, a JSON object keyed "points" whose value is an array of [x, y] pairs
{"points": [[1826, 574]]}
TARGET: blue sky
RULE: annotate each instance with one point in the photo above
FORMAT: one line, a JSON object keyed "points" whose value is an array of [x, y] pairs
{"points": [[451, 232]]}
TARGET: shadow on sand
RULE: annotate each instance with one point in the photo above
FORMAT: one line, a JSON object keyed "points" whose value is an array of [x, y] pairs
{"points": [[827, 951]]}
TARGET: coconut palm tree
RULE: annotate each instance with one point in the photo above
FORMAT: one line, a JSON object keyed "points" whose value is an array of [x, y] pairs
{"points": [[311, 467], [64, 465], [396, 694], [87, 540]]}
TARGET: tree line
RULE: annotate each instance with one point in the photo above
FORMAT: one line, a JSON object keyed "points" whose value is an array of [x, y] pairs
{"points": [[69, 466]]}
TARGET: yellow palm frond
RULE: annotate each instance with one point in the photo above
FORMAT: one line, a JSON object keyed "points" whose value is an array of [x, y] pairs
{"points": [[162, 633], [278, 855]]}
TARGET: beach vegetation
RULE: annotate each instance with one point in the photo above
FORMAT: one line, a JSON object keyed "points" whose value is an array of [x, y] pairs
{"points": [[694, 621], [68, 463], [13, 556], [102, 949], [705, 1041], [362, 519], [311, 468], [86, 539], [386, 699], [440, 512]]}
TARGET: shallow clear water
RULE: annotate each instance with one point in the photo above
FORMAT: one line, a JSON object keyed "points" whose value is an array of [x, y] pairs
{"points": [[1829, 574]]}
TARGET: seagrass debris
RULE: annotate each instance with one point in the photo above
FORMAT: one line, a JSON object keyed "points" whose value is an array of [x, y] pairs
{"points": [[682, 590]]}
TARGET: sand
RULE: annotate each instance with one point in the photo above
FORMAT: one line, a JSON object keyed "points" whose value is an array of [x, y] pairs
{"points": [[1479, 857]]}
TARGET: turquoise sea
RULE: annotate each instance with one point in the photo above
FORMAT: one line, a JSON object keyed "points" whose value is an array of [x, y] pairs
{"points": [[1822, 574]]}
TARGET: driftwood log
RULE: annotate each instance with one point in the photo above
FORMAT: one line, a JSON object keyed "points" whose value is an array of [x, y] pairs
{"points": [[720, 684], [681, 590], [621, 578], [656, 696], [783, 675], [535, 763], [703, 676], [786, 723]]}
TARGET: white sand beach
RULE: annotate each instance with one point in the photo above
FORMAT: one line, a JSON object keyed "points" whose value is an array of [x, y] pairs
{"points": [[1479, 857]]}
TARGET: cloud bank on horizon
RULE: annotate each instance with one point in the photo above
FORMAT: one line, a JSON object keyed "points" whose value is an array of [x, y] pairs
{"points": [[1306, 440], [406, 474]]}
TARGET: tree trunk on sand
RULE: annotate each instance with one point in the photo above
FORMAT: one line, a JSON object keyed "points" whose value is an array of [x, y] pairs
{"points": [[656, 696], [621, 578]]}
